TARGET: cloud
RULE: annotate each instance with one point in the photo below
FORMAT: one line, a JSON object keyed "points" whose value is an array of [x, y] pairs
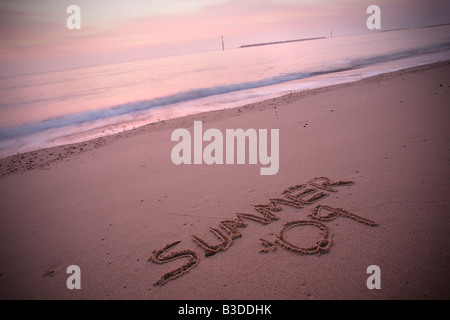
{"points": [[128, 29]]}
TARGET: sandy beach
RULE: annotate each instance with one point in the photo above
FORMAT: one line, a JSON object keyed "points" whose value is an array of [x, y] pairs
{"points": [[109, 204]]}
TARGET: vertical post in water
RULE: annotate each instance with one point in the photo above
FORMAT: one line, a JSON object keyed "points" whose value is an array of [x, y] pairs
{"points": [[223, 47], [331, 32]]}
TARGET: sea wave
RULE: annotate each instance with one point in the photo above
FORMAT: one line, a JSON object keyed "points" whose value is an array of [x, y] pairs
{"points": [[199, 93]]}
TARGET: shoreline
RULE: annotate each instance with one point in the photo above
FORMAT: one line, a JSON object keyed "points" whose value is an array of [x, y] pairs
{"points": [[114, 206], [43, 158]]}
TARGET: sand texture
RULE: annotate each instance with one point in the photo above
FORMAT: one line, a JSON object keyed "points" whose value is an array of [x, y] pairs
{"points": [[364, 179]]}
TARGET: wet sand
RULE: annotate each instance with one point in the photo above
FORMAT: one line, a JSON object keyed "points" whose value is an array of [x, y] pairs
{"points": [[108, 204]]}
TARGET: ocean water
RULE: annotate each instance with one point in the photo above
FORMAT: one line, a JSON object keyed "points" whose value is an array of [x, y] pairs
{"points": [[55, 108]]}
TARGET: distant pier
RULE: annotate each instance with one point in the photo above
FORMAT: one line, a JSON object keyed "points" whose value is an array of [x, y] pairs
{"points": [[278, 42]]}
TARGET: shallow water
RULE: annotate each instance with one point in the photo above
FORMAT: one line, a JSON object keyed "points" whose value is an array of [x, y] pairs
{"points": [[48, 109]]}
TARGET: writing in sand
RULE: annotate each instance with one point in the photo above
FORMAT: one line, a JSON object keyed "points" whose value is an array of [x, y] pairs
{"points": [[297, 196]]}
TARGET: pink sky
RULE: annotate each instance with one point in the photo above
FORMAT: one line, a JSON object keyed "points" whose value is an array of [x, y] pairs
{"points": [[34, 36]]}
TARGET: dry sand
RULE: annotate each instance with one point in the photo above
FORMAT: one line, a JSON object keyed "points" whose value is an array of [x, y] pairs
{"points": [[106, 205]]}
